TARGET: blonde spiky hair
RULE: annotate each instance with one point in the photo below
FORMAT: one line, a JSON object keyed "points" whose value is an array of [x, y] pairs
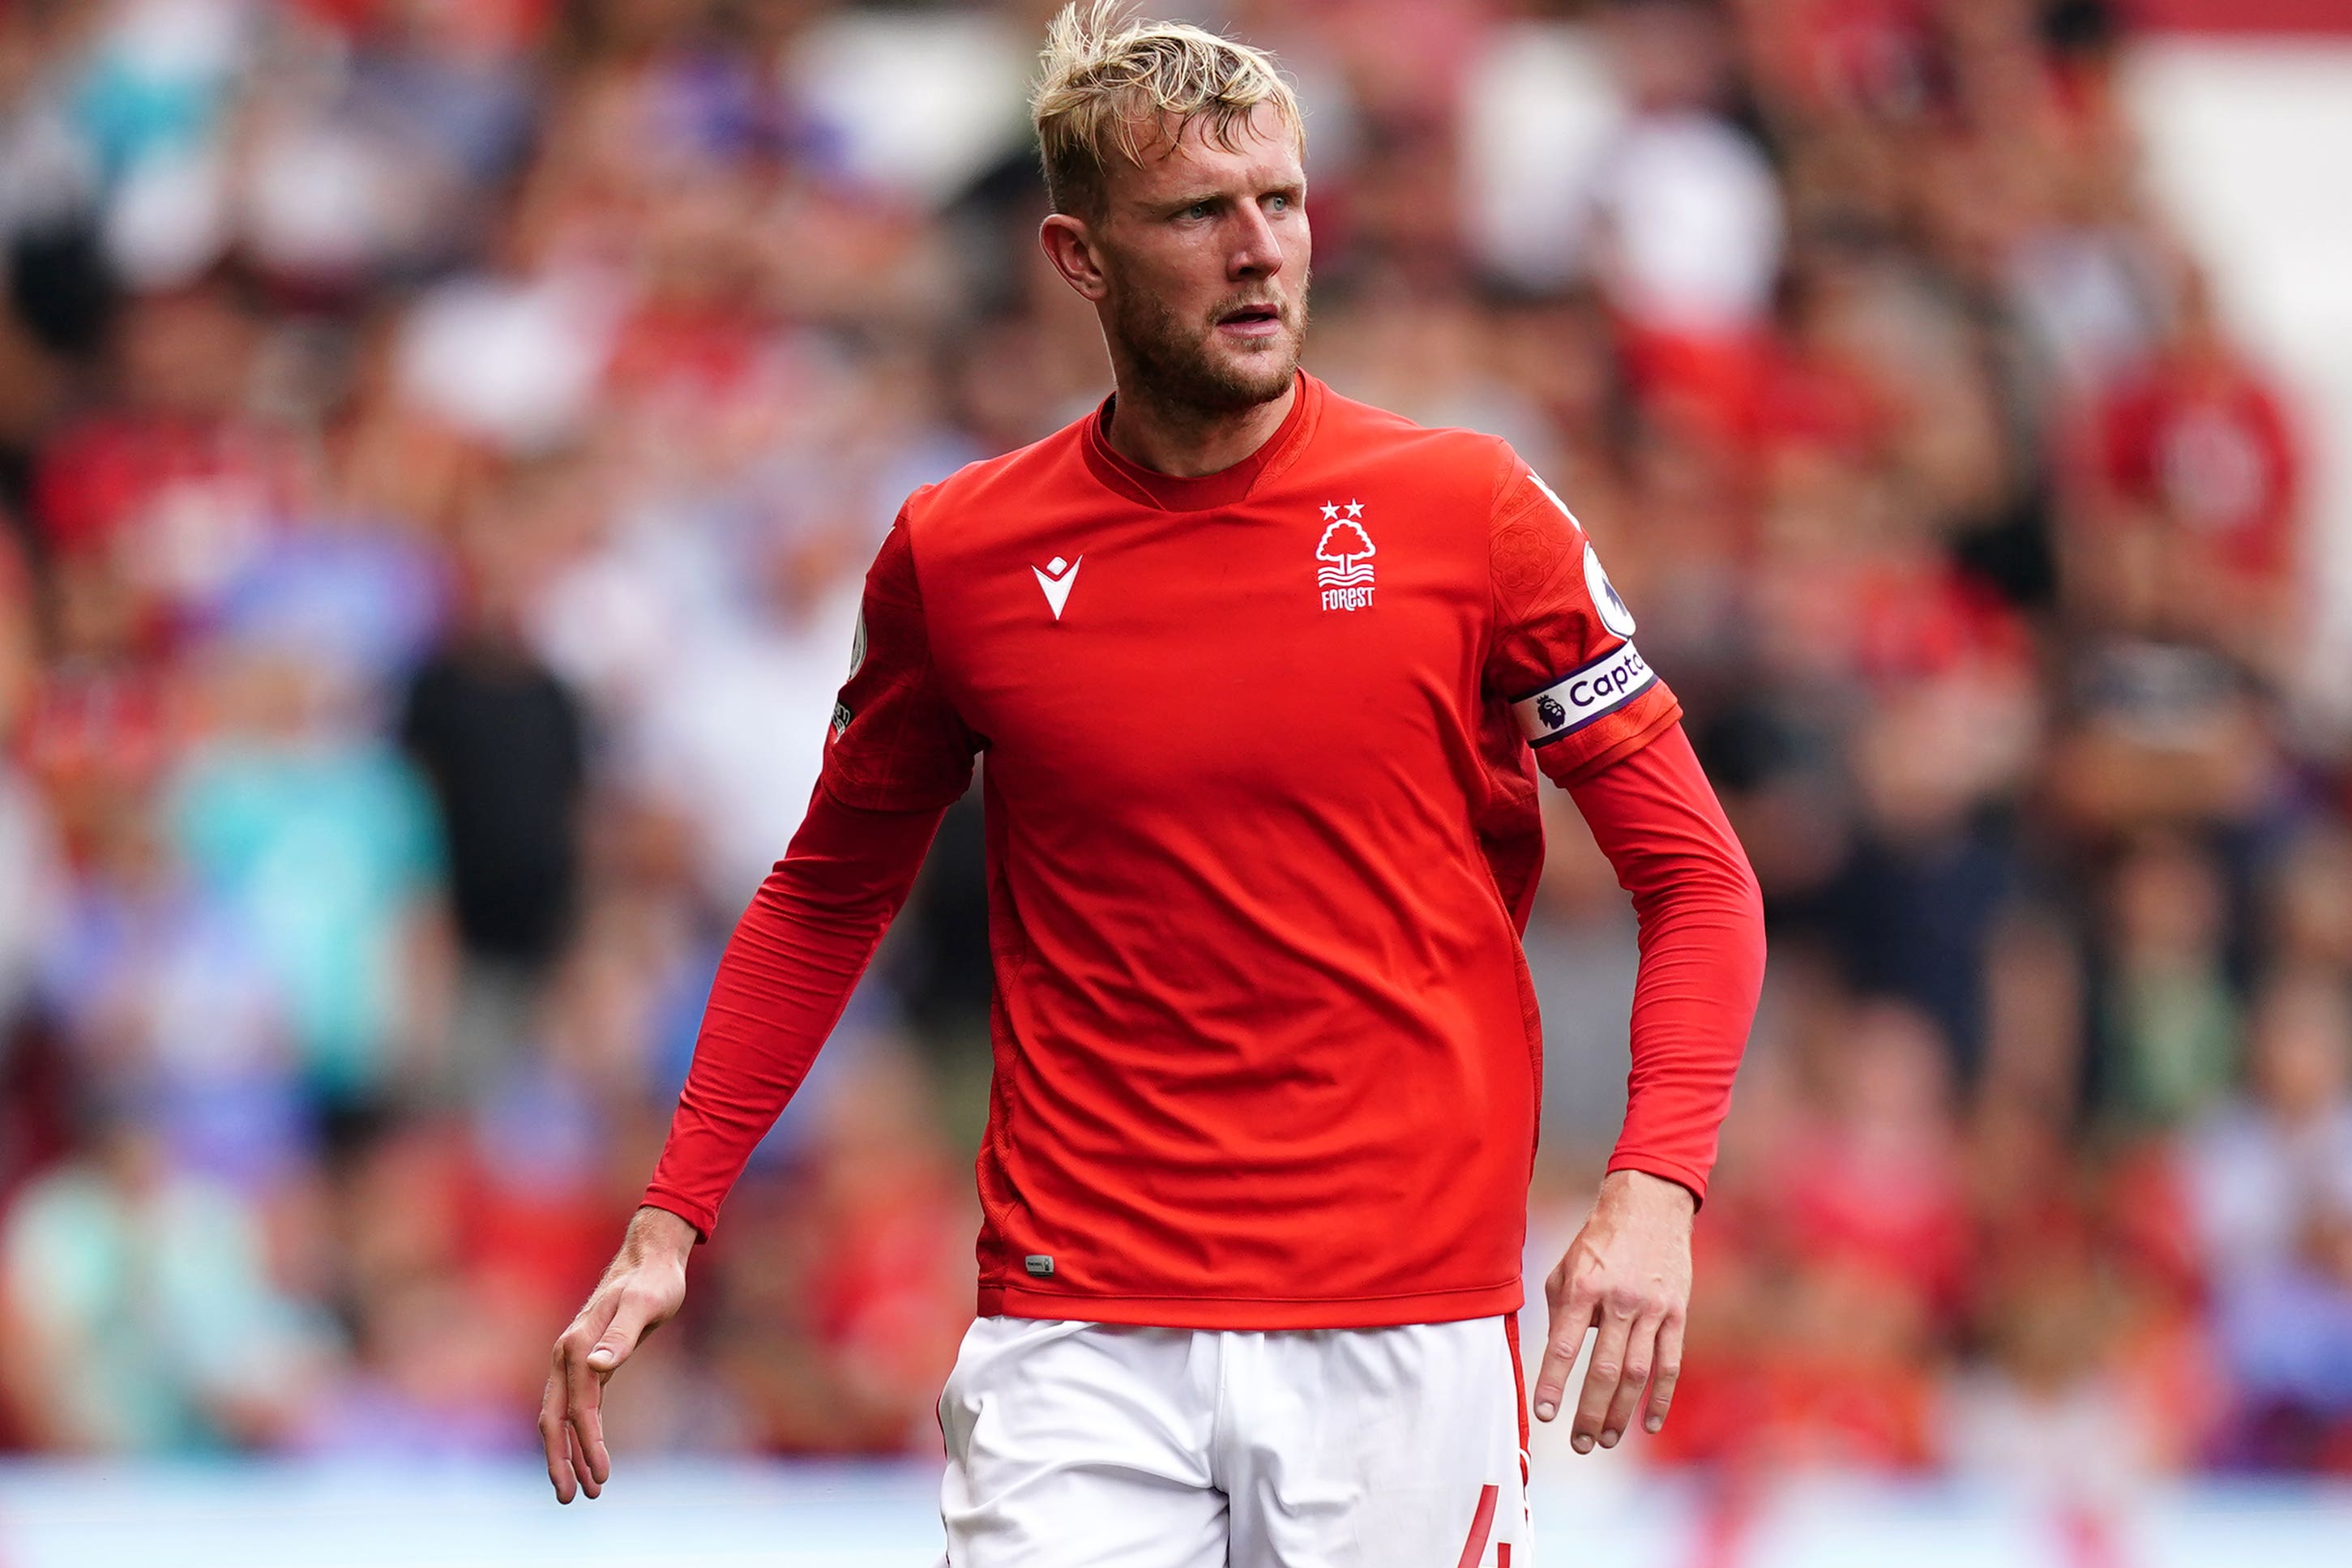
{"points": [[1110, 90]]}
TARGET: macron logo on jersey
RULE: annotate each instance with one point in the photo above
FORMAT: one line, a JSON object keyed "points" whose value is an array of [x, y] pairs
{"points": [[1582, 696], [1056, 577]]}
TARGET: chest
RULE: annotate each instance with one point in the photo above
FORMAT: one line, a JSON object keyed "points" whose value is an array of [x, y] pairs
{"points": [[1310, 636]]}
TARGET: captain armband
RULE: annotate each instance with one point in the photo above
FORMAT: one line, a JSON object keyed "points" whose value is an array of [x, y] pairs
{"points": [[1586, 693]]}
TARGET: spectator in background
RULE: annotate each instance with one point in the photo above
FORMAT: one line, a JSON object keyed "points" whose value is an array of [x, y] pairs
{"points": [[143, 1313], [2190, 523], [2049, 1411], [175, 489], [1874, 1192], [164, 999], [1688, 225], [2271, 1179], [432, 1320], [2168, 1017], [323, 842], [1846, 1236], [503, 743], [1929, 672]]}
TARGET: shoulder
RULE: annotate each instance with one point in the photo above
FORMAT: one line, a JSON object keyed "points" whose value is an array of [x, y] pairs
{"points": [[1003, 486], [942, 526], [1450, 455]]}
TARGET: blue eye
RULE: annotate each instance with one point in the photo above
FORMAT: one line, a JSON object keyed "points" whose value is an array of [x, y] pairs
{"points": [[1279, 202], [1197, 210]]}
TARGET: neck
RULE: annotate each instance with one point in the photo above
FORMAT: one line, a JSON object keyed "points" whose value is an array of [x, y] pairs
{"points": [[1188, 441]]}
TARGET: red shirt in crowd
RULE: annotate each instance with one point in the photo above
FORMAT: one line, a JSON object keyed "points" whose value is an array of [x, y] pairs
{"points": [[2203, 446], [1262, 834]]}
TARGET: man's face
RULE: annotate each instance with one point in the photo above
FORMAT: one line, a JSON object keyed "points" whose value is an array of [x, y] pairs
{"points": [[1205, 254]]}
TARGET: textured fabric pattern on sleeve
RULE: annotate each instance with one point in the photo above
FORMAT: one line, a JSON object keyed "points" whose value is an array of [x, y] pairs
{"points": [[1561, 654]]}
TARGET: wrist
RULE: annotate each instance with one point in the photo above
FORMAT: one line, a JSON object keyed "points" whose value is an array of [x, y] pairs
{"points": [[657, 1234], [1642, 1189]]}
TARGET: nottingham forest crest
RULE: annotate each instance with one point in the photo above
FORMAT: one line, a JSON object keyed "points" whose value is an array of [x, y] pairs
{"points": [[1344, 575]]}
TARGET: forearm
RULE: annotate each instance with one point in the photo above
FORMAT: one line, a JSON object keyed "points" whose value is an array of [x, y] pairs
{"points": [[787, 975], [1702, 947]]}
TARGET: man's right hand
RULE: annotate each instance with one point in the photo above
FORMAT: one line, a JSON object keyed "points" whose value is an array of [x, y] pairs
{"points": [[643, 1289]]}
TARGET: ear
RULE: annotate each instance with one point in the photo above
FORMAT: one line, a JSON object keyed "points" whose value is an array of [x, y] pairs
{"points": [[1069, 245]]}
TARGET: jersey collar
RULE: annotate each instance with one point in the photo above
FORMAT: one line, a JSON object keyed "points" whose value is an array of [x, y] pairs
{"points": [[1222, 488]]}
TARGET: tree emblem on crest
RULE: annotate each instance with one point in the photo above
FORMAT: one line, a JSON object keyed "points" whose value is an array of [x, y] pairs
{"points": [[1349, 549]]}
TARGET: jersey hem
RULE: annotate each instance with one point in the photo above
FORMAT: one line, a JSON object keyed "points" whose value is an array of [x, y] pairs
{"points": [[1244, 1313]]}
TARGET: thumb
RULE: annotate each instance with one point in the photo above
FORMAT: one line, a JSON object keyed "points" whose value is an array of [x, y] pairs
{"points": [[621, 1335]]}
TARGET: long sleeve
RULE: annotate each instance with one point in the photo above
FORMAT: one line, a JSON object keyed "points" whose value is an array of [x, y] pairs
{"points": [[795, 955], [1702, 938], [1604, 727], [895, 757]]}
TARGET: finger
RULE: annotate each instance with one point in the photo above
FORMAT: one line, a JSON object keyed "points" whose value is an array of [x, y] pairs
{"points": [[1571, 1316], [1641, 1352], [587, 1424], [551, 1430], [1667, 1371], [622, 1335], [1601, 1377], [583, 1389], [588, 1482]]}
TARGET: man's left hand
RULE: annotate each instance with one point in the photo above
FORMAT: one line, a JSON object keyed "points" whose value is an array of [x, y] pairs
{"points": [[1628, 1272]]}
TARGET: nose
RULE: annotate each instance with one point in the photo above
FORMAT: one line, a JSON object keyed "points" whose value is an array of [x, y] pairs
{"points": [[1256, 251]]}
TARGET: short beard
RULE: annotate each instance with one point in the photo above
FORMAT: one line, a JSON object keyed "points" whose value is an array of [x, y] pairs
{"points": [[1174, 368]]}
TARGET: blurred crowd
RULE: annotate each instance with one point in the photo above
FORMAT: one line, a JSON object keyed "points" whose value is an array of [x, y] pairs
{"points": [[440, 443]]}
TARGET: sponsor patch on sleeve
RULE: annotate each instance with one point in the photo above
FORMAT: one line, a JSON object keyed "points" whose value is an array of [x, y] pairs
{"points": [[1583, 695]]}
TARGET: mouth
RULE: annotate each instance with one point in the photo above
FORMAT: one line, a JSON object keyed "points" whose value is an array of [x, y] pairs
{"points": [[1261, 319]]}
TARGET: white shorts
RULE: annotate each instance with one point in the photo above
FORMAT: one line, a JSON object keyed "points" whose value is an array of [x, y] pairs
{"points": [[1074, 1445]]}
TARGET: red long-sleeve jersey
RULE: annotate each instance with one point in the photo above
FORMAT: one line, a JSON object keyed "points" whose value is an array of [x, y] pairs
{"points": [[1260, 801]]}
